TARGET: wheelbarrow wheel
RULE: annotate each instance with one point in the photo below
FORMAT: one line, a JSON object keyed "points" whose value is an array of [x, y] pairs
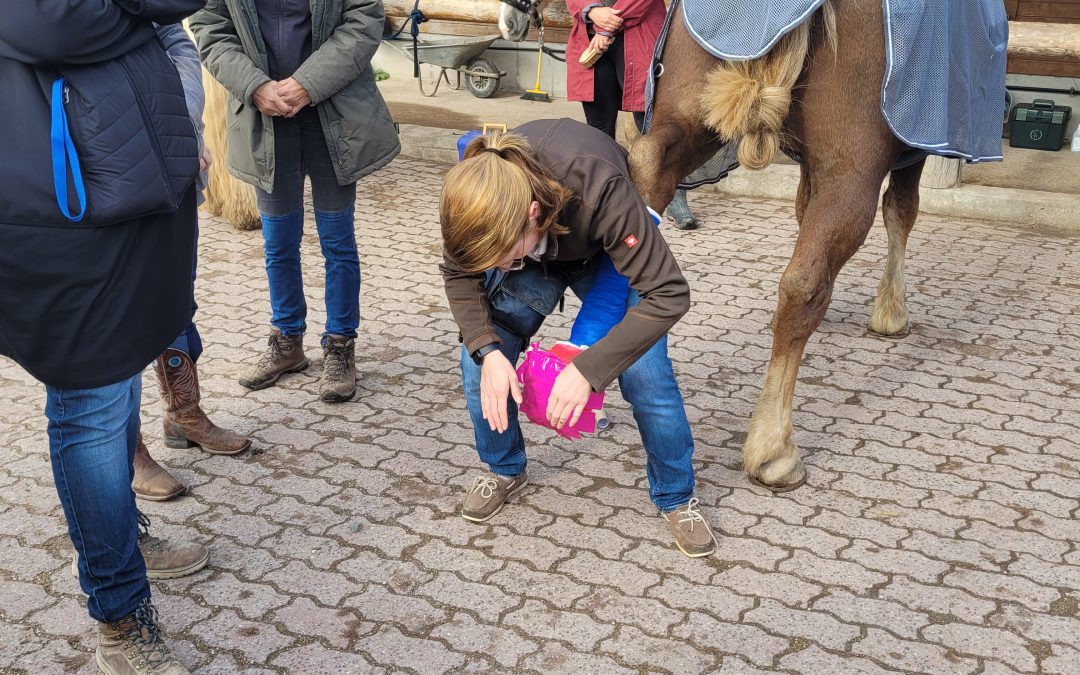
{"points": [[480, 86]]}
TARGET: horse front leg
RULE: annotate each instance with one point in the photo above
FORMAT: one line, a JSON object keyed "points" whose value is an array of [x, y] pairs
{"points": [[838, 214], [899, 208]]}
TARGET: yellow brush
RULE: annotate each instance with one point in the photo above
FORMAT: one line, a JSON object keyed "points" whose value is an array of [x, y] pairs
{"points": [[536, 93]]}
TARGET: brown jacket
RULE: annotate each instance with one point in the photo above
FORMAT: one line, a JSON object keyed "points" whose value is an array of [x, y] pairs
{"points": [[606, 213]]}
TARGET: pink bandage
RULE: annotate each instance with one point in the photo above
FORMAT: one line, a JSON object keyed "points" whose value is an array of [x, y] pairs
{"points": [[537, 375]]}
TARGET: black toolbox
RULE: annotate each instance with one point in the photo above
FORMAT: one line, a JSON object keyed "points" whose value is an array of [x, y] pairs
{"points": [[1040, 125]]}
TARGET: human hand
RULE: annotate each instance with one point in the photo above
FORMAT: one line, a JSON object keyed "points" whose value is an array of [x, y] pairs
{"points": [[294, 94], [601, 43], [606, 18], [205, 160], [268, 101], [569, 395], [497, 380]]}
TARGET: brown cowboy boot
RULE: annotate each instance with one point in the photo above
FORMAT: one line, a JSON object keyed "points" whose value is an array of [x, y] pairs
{"points": [[185, 422], [153, 481]]}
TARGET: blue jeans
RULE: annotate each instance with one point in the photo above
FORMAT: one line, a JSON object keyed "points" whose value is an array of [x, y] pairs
{"points": [[92, 436], [300, 150], [519, 303]]}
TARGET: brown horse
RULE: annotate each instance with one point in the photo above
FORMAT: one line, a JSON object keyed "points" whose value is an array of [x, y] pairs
{"points": [[827, 71]]}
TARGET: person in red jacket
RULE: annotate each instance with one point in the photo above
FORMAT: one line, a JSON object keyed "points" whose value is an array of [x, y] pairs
{"points": [[624, 32]]}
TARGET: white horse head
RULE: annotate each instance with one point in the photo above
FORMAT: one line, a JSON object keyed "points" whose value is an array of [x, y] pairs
{"points": [[515, 16]]}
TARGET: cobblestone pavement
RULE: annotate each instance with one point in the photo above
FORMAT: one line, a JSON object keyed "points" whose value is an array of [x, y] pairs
{"points": [[938, 532]]}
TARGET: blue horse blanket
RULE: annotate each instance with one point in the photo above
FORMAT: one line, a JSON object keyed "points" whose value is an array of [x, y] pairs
{"points": [[944, 88]]}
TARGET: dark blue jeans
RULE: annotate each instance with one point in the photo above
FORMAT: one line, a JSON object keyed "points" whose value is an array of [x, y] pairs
{"points": [[300, 150], [92, 445], [519, 303]]}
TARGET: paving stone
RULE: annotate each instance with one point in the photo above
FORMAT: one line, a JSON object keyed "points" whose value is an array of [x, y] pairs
{"points": [[576, 628], [592, 569], [911, 656], [483, 600], [554, 657], [749, 641], [315, 658], [799, 536], [829, 572], [940, 520], [1004, 587], [557, 589], [337, 627], [635, 648], [796, 623], [711, 598], [501, 544], [950, 601], [1062, 661], [297, 578], [464, 634], [251, 600], [390, 646], [228, 632], [18, 599], [987, 642], [611, 606], [814, 660]]}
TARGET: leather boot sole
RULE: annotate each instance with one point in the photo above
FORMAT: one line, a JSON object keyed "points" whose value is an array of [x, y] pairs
{"points": [[185, 442], [161, 498], [334, 397], [263, 384]]}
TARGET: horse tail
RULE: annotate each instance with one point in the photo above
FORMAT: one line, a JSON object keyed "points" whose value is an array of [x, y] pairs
{"points": [[226, 196], [749, 100]]}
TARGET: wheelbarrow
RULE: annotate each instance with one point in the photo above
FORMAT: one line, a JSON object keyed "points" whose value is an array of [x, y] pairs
{"points": [[458, 54]]}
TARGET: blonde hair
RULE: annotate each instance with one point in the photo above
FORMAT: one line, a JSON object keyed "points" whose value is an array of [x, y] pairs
{"points": [[749, 100], [484, 206]]}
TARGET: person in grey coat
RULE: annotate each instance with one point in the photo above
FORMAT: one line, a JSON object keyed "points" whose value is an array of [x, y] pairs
{"points": [[302, 100]]}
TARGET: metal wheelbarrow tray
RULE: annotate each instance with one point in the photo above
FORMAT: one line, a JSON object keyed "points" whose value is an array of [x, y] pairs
{"points": [[461, 55]]}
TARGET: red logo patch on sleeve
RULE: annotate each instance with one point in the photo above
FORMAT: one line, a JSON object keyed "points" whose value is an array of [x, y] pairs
{"points": [[631, 241]]}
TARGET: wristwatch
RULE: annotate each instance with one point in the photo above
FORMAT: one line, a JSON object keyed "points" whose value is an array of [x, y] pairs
{"points": [[479, 354]]}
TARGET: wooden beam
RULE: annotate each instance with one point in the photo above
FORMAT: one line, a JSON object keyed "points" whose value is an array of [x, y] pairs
{"points": [[472, 11]]}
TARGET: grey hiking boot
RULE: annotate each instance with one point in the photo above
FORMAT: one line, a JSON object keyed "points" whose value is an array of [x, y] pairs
{"points": [[134, 645], [488, 494], [693, 535], [284, 354], [338, 381], [164, 559]]}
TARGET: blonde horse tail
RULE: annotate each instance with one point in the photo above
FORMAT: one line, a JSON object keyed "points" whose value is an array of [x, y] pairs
{"points": [[226, 196], [749, 100]]}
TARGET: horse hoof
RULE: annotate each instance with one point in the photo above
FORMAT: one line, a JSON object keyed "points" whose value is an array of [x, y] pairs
{"points": [[895, 335], [770, 478], [778, 489], [685, 223]]}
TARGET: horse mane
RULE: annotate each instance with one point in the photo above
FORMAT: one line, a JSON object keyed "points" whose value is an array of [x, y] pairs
{"points": [[749, 100]]}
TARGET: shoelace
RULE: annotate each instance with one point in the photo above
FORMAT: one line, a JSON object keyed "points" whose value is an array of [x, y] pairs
{"points": [[149, 542], [275, 353], [143, 630], [485, 485], [335, 361], [691, 514]]}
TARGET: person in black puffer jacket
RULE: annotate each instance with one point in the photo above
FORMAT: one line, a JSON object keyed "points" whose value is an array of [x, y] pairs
{"points": [[91, 290]]}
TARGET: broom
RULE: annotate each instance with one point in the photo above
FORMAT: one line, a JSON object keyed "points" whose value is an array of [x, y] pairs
{"points": [[536, 93]]}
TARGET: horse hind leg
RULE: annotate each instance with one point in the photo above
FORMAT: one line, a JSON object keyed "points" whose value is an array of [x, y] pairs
{"points": [[899, 208], [838, 214]]}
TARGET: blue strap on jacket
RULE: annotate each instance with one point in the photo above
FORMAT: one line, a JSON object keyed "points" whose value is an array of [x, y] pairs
{"points": [[63, 155]]}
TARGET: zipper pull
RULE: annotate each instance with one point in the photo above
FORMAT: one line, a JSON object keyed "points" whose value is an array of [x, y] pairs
{"points": [[67, 93]]}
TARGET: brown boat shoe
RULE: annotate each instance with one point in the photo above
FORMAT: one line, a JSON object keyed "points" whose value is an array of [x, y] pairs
{"points": [[693, 535], [488, 494]]}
